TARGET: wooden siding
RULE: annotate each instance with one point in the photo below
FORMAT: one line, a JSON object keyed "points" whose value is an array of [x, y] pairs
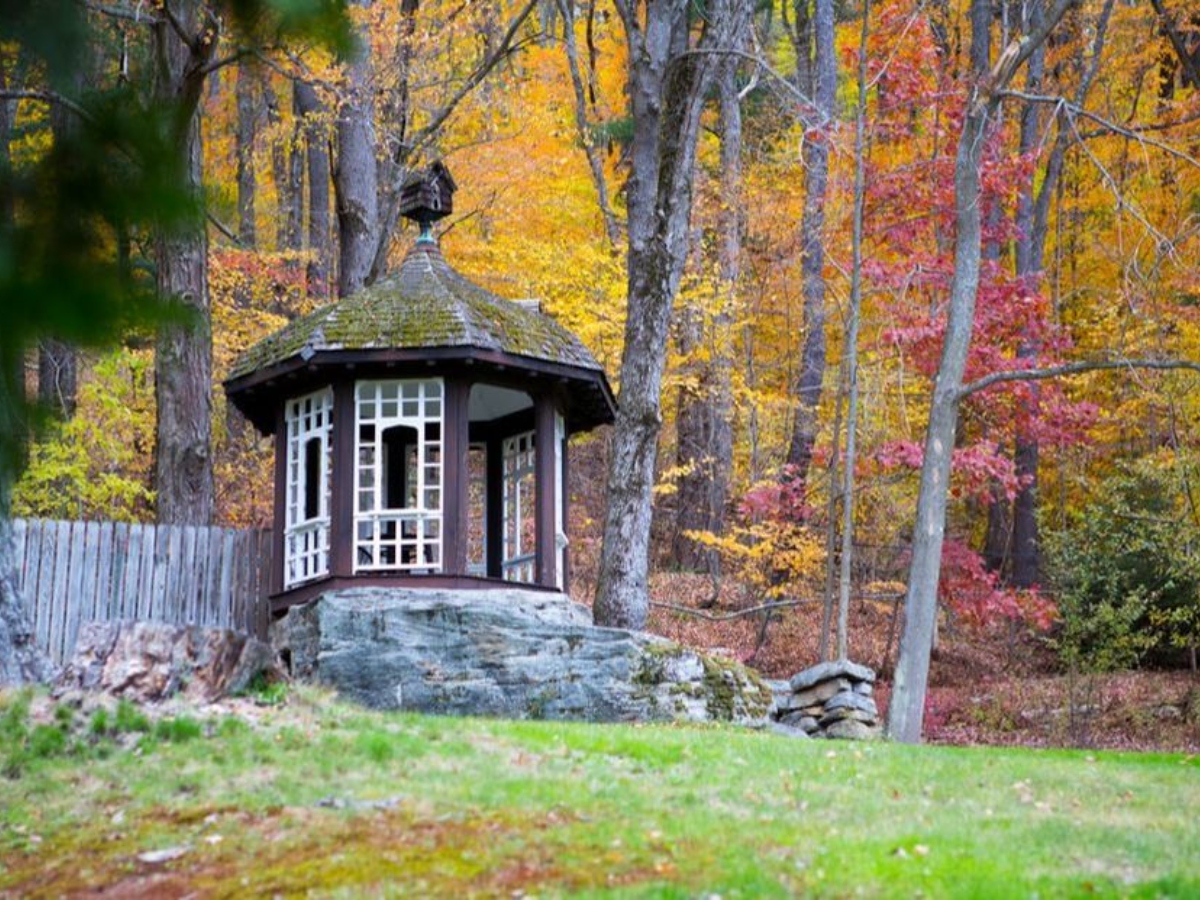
{"points": [[76, 572]]}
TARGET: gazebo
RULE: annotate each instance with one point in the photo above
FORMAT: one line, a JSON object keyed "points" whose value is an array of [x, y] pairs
{"points": [[420, 429]]}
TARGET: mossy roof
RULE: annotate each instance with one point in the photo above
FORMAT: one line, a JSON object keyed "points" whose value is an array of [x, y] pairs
{"points": [[425, 304]]}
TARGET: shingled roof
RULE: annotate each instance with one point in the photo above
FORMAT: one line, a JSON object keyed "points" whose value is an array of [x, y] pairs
{"points": [[428, 315], [424, 305]]}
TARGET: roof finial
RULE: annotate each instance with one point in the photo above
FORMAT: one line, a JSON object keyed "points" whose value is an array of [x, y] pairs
{"points": [[426, 197]]}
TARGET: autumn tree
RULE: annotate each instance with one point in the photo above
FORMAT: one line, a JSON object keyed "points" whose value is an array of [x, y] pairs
{"points": [[61, 216], [812, 35], [186, 38], [377, 149], [984, 95], [58, 276], [668, 81], [310, 111], [703, 423]]}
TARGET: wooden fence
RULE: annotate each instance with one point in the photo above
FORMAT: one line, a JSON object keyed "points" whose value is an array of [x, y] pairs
{"points": [[75, 572]]}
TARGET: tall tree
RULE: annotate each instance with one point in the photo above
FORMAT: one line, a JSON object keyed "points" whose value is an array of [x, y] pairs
{"points": [[403, 141], [63, 214], [20, 659], [186, 36], [704, 426], [816, 75], [355, 174], [58, 361], [906, 709], [1032, 221], [246, 100], [310, 112], [667, 84], [287, 173], [582, 126]]}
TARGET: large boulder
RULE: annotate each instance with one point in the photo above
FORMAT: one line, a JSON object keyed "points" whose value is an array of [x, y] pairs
{"points": [[510, 653], [151, 661]]}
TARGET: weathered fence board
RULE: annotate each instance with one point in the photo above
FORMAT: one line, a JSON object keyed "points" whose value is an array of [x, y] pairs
{"points": [[73, 572]]}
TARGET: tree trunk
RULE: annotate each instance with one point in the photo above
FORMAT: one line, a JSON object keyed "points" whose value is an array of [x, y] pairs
{"points": [[812, 224], [906, 709], [355, 177], [308, 109], [21, 660], [591, 151], [732, 227], [850, 348], [247, 131], [287, 171], [183, 361], [58, 362], [58, 377], [907, 706], [1033, 213], [704, 453], [666, 87]]}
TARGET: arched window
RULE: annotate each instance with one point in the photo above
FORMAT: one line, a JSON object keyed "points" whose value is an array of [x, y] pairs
{"points": [[398, 456], [308, 421]]}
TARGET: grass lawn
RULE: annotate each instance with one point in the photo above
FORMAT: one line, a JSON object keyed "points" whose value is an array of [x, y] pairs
{"points": [[316, 797]]}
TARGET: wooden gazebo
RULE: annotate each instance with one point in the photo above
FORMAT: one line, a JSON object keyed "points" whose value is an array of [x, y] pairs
{"points": [[420, 429]]}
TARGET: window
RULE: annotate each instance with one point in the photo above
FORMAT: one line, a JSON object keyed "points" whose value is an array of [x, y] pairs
{"points": [[398, 507], [308, 421], [519, 558]]}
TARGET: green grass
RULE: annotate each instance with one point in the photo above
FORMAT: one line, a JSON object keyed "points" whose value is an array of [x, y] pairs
{"points": [[318, 798]]}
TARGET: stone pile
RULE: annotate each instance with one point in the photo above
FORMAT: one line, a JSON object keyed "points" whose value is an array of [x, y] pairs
{"points": [[833, 699]]}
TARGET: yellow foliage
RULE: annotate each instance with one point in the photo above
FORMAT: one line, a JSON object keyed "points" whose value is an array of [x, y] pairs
{"points": [[774, 558]]}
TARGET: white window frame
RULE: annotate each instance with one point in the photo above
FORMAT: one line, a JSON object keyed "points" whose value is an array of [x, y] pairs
{"points": [[407, 538], [518, 558], [306, 538]]}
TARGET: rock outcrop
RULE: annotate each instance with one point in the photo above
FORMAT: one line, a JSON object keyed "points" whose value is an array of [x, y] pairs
{"points": [[512, 653], [152, 661], [832, 699]]}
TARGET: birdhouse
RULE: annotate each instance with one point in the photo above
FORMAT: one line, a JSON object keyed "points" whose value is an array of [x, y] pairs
{"points": [[428, 196], [420, 429]]}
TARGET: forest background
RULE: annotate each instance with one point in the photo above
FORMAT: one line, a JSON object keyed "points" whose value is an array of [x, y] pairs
{"points": [[813, 283]]}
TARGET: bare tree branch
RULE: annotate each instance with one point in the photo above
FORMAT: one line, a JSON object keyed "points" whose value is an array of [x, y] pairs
{"points": [[1106, 125], [1074, 368], [726, 617], [222, 227], [135, 14], [50, 97], [507, 45], [1009, 62], [611, 228]]}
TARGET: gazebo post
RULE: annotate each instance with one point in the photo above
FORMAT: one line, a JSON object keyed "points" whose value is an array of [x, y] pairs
{"points": [[494, 516], [456, 476], [279, 536], [343, 489], [545, 491]]}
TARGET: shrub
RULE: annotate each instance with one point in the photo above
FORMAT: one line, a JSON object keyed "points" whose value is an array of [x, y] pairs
{"points": [[1127, 573]]}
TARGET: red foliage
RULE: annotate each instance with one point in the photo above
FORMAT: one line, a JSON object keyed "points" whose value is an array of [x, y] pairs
{"points": [[781, 500], [977, 599]]}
